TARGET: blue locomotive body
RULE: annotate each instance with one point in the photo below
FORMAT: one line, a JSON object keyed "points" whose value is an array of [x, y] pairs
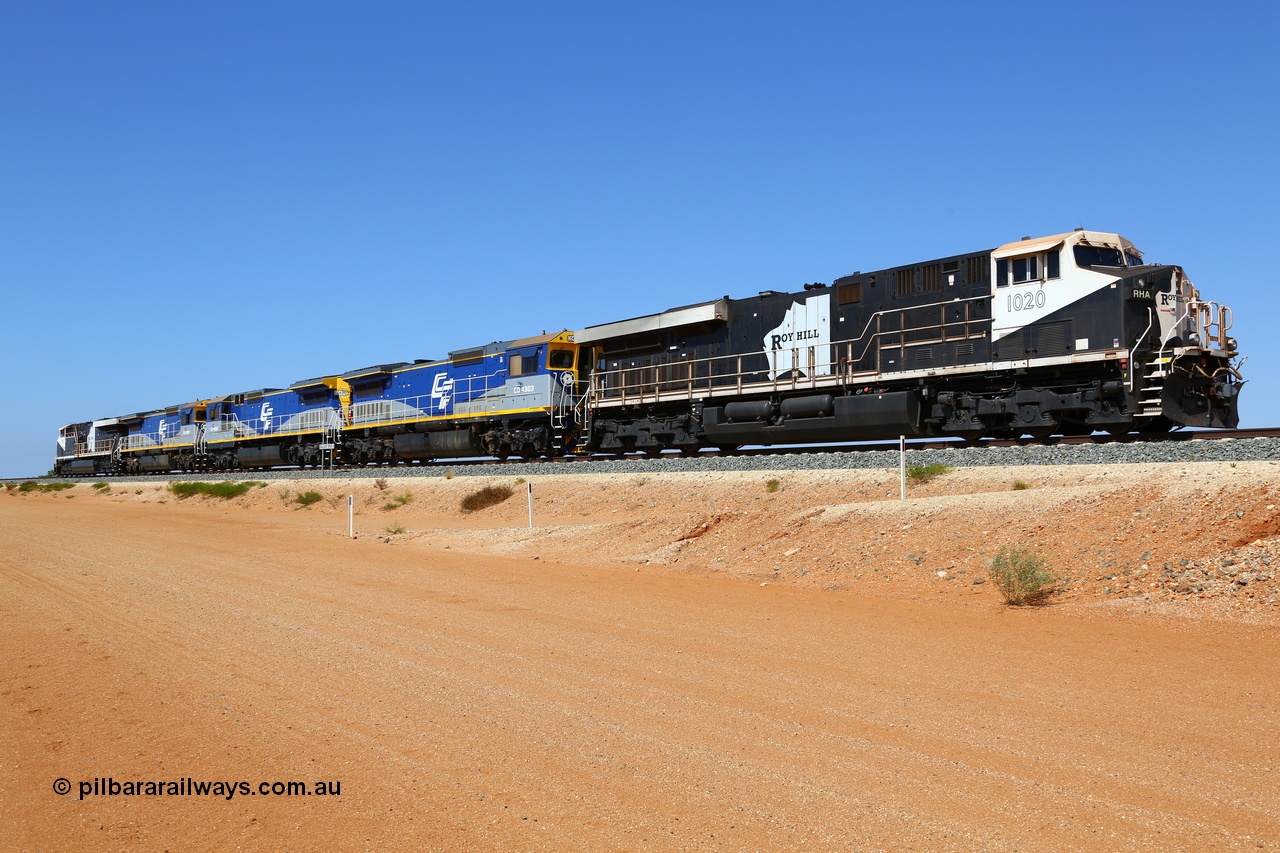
{"points": [[503, 398]]}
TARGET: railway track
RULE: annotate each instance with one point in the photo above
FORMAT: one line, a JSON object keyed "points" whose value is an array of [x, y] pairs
{"points": [[810, 454]]}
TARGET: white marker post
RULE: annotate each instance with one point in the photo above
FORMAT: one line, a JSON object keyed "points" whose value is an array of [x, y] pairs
{"points": [[902, 465], [351, 516], [530, 484]]}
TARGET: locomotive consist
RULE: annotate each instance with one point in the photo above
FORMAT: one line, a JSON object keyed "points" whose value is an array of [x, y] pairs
{"points": [[1067, 334]]}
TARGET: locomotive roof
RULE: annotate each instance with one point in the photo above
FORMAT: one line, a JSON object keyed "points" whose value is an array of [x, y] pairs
{"points": [[260, 392], [703, 312], [1074, 238], [564, 335], [376, 369]]}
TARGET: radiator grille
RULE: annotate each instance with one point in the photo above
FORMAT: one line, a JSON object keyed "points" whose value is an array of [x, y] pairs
{"points": [[906, 282], [932, 278], [1051, 340], [976, 269]]}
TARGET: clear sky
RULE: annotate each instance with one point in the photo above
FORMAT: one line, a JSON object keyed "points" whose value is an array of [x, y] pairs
{"points": [[199, 198]]}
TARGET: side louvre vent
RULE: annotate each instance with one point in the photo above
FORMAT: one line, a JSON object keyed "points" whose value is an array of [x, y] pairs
{"points": [[906, 282], [847, 294], [1051, 340], [1012, 346], [976, 269], [932, 278]]}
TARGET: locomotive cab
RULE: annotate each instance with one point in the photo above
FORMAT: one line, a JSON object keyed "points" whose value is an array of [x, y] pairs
{"points": [[1088, 297]]}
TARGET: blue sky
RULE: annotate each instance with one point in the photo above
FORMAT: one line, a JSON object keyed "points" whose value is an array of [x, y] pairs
{"points": [[197, 199]]}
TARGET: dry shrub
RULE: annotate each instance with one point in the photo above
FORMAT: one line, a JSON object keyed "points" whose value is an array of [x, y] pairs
{"points": [[486, 497], [1023, 577], [917, 474]]}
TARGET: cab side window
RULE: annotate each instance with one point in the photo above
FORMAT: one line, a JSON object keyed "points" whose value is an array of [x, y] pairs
{"points": [[1026, 269], [1029, 268], [524, 365]]}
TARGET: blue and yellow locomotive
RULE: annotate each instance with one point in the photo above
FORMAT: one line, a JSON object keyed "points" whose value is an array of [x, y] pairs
{"points": [[507, 398]]}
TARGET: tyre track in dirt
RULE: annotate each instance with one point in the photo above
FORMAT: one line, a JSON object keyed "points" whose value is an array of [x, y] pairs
{"points": [[478, 701]]}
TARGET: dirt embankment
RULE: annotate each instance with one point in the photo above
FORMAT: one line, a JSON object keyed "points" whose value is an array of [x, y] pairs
{"points": [[1185, 538]]}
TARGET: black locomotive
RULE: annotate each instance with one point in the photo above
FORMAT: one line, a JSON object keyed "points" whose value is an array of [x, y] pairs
{"points": [[1068, 334]]}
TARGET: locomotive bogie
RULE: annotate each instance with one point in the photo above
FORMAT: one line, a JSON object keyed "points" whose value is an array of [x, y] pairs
{"points": [[649, 433]]}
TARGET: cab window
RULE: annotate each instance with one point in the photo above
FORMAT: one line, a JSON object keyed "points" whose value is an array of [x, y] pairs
{"points": [[1026, 269], [523, 365], [1029, 268], [1098, 256], [560, 359]]}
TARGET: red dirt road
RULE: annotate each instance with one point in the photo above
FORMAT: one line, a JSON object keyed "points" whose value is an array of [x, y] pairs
{"points": [[468, 702]]}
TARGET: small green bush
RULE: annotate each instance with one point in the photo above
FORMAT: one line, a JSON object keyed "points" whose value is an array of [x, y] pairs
{"points": [[308, 498], [917, 474], [772, 486], [398, 501], [102, 487], [1023, 577], [1019, 485], [395, 529], [33, 486], [486, 497], [381, 484], [214, 490]]}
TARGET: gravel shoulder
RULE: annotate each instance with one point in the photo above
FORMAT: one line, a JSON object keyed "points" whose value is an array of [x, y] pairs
{"points": [[675, 661]]}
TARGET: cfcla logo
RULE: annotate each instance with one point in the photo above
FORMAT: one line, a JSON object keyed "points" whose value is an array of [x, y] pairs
{"points": [[441, 389], [266, 416]]}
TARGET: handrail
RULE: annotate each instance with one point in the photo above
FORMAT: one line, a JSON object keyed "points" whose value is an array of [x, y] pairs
{"points": [[631, 384], [1133, 374]]}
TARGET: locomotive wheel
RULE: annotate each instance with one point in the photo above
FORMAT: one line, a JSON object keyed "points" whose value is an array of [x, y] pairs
{"points": [[690, 449], [502, 453]]}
